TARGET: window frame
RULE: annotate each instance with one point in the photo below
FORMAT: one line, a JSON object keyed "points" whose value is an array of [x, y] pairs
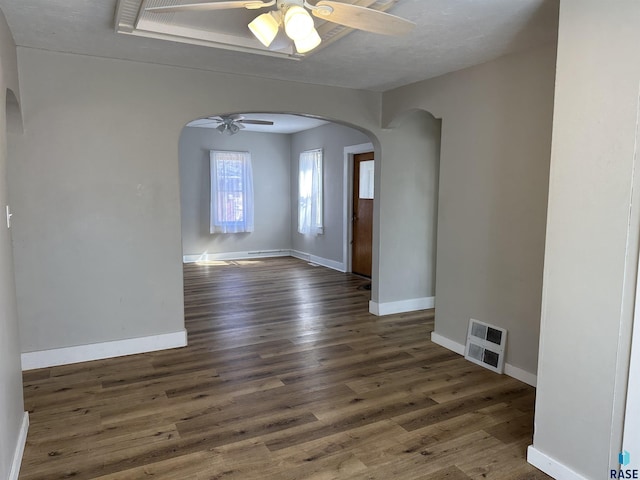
{"points": [[313, 163], [217, 222]]}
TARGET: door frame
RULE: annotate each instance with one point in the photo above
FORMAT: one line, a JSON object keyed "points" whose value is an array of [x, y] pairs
{"points": [[347, 226], [631, 434]]}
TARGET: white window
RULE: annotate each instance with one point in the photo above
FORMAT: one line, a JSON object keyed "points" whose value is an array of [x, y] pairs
{"points": [[231, 192], [310, 193]]}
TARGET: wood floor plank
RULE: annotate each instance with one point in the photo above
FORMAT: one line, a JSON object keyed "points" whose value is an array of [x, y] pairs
{"points": [[286, 376], [448, 473], [457, 407]]}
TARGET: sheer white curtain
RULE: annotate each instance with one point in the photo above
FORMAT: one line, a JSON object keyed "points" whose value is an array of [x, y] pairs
{"points": [[231, 192], [310, 193]]}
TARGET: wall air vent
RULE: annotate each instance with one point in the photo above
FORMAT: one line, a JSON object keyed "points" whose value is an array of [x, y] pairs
{"points": [[486, 345]]}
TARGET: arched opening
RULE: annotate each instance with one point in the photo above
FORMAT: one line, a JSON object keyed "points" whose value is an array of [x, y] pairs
{"points": [[275, 154], [408, 223]]}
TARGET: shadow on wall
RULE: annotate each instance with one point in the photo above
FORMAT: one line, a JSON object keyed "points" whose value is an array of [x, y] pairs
{"points": [[14, 114]]}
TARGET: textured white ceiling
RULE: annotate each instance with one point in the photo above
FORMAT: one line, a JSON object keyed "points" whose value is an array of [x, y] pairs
{"points": [[450, 35]]}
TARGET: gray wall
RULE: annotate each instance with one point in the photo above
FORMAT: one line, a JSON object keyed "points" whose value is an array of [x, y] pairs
{"points": [[97, 242], [408, 207], [11, 403], [332, 139], [270, 159], [592, 240], [494, 166], [97, 234]]}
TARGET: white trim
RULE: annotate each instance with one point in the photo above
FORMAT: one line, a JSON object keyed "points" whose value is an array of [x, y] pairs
{"points": [[19, 451], [551, 466], [99, 351], [446, 343], [349, 152], [401, 306], [515, 372], [301, 255], [208, 257], [520, 374], [325, 262], [631, 435]]}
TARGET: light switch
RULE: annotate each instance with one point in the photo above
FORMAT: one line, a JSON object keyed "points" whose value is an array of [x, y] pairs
{"points": [[9, 215]]}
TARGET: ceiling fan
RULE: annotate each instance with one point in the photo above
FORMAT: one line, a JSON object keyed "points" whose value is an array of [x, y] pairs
{"points": [[232, 124], [292, 17]]}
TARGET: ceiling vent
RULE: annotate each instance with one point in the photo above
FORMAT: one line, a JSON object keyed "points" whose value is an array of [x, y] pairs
{"points": [[486, 345]]}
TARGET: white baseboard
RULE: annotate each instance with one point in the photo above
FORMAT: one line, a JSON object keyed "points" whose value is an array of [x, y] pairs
{"points": [[301, 255], [211, 257], [325, 262], [99, 351], [19, 450], [447, 343], [402, 306], [515, 372], [551, 466], [520, 374]]}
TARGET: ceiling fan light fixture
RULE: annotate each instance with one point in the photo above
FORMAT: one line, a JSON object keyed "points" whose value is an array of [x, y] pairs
{"points": [[298, 24], [309, 42], [281, 42], [265, 28], [221, 128]]}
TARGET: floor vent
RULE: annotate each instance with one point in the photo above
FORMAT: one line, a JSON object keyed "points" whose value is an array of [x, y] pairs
{"points": [[486, 345]]}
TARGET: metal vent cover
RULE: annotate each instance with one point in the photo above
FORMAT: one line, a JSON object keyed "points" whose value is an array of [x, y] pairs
{"points": [[486, 345]]}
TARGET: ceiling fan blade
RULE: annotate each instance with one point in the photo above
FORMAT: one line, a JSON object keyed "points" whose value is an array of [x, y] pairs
{"points": [[255, 122], [363, 18], [208, 6]]}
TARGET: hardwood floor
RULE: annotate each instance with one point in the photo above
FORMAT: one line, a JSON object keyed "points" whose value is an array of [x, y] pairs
{"points": [[286, 376]]}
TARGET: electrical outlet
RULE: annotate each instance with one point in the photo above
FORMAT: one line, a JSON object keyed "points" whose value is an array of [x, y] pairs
{"points": [[9, 215]]}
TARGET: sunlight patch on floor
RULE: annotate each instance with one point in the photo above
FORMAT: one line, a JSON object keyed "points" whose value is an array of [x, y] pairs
{"points": [[212, 262], [239, 263]]}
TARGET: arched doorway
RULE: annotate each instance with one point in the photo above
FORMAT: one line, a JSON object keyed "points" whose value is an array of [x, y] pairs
{"points": [[275, 151]]}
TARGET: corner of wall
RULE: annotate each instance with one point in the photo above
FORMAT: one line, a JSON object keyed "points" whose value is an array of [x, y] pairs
{"points": [[401, 306], [551, 466], [509, 369], [19, 449]]}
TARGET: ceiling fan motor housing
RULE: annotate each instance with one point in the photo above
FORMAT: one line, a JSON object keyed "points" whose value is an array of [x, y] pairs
{"points": [[321, 9], [285, 4]]}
